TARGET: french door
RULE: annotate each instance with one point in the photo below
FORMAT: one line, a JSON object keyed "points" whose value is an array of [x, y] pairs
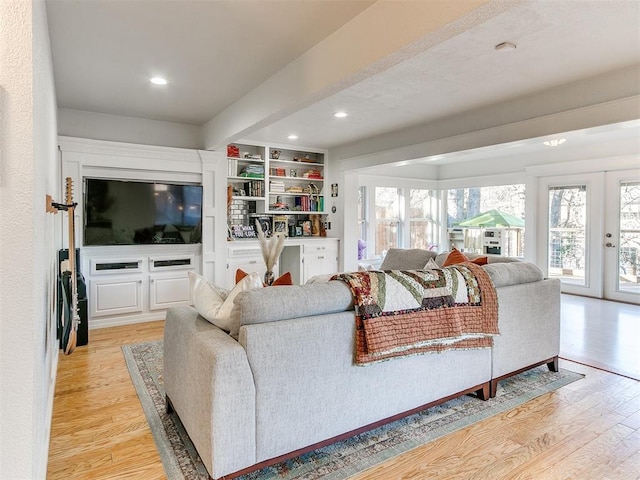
{"points": [[590, 233], [622, 236]]}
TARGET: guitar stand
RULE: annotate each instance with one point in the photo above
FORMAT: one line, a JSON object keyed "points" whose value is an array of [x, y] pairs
{"points": [[63, 256], [55, 207]]}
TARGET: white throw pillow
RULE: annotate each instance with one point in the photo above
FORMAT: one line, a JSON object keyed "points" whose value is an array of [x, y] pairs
{"points": [[431, 265], [228, 317], [206, 297], [216, 305]]}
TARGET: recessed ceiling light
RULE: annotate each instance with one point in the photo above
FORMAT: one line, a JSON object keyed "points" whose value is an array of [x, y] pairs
{"points": [[158, 80], [340, 114], [292, 137], [505, 46], [555, 142]]}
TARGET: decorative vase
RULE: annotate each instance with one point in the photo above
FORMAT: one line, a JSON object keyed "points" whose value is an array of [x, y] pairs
{"points": [[269, 277]]}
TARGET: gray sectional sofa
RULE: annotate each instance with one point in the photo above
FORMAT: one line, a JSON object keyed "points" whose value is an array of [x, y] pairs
{"points": [[288, 383]]}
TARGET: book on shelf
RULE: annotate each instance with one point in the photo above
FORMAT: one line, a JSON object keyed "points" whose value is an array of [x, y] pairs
{"points": [[276, 187], [254, 188], [252, 171], [312, 174], [277, 172], [232, 166]]}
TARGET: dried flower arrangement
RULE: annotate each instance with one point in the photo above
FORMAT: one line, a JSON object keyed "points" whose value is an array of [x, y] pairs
{"points": [[271, 250]]}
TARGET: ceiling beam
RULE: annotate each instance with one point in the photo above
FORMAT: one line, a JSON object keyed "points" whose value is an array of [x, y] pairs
{"points": [[385, 34]]}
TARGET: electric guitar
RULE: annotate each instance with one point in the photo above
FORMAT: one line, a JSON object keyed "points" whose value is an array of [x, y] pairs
{"points": [[71, 315]]}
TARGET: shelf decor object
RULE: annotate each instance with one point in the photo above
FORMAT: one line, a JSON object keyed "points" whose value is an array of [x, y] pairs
{"points": [[271, 249]]}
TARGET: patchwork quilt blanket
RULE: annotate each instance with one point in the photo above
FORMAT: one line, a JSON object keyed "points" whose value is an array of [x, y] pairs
{"points": [[409, 312]]}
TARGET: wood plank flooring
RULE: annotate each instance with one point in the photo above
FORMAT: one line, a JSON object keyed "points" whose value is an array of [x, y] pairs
{"points": [[589, 429], [99, 430]]}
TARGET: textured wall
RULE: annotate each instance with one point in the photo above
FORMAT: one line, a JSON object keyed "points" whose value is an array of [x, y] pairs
{"points": [[28, 169]]}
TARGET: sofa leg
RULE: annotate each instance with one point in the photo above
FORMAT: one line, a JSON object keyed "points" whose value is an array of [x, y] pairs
{"points": [[553, 364], [493, 389], [484, 392], [169, 406]]}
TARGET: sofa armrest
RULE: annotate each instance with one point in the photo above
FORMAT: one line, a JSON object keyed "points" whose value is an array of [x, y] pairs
{"points": [[503, 274], [209, 382], [529, 322]]}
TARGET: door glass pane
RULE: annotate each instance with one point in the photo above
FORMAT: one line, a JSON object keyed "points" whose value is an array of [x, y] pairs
{"points": [[629, 241], [567, 233], [387, 218], [422, 209]]}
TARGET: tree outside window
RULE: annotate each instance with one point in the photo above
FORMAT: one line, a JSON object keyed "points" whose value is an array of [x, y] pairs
{"points": [[466, 203], [362, 222], [567, 231], [387, 201], [423, 208]]}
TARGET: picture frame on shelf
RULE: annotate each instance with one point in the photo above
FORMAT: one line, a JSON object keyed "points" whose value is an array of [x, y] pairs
{"points": [[281, 224], [265, 224], [306, 228]]}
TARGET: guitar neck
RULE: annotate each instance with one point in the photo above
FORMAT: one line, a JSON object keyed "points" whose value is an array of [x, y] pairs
{"points": [[72, 247]]}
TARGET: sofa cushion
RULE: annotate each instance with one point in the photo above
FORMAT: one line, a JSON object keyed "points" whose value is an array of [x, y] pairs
{"points": [[456, 256], [284, 279], [441, 257], [406, 259], [514, 273], [431, 265], [217, 306], [281, 303], [207, 298]]}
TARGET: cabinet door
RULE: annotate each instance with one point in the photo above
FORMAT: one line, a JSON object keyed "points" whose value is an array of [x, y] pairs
{"points": [[319, 265], [168, 290], [249, 265], [115, 296]]}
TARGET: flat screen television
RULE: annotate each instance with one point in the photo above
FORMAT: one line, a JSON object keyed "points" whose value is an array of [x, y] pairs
{"points": [[120, 212]]}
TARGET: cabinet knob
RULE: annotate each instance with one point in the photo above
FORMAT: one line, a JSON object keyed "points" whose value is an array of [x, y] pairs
{"points": [[320, 257]]}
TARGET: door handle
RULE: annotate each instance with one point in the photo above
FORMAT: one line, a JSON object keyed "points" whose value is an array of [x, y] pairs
{"points": [[609, 244]]}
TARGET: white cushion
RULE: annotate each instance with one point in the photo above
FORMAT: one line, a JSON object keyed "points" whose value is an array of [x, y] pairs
{"points": [[206, 297], [216, 304], [431, 265]]}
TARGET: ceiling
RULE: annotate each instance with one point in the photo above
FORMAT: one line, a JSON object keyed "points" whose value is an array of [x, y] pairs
{"points": [[215, 53]]}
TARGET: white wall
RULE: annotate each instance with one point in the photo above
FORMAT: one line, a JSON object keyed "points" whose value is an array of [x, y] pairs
{"points": [[101, 126], [29, 239]]}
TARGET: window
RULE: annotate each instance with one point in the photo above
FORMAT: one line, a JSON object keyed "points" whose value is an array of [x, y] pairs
{"points": [[387, 201], [423, 208], [363, 224], [468, 203]]}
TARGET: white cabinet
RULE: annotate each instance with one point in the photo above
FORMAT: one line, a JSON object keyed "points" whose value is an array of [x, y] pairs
{"points": [[115, 295], [168, 290], [247, 257], [307, 258], [130, 289], [319, 258]]}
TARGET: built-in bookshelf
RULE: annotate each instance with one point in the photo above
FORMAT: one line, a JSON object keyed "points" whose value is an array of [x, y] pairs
{"points": [[283, 186]]}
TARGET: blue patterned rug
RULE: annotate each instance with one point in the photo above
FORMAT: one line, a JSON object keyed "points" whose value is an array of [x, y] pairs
{"points": [[342, 459]]}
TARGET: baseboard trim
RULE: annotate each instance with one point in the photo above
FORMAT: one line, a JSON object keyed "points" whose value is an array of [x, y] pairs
{"points": [[97, 323]]}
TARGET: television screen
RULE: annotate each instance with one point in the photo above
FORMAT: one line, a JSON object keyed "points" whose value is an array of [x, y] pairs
{"points": [[119, 212]]}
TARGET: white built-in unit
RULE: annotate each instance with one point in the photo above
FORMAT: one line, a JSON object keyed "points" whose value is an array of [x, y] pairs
{"points": [[138, 282], [303, 257], [126, 289], [265, 180]]}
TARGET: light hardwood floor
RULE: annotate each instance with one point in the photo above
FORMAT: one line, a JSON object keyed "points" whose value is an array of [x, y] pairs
{"points": [[589, 429]]}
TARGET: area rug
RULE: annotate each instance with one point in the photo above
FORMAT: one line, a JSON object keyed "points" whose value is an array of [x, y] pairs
{"points": [[342, 459]]}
